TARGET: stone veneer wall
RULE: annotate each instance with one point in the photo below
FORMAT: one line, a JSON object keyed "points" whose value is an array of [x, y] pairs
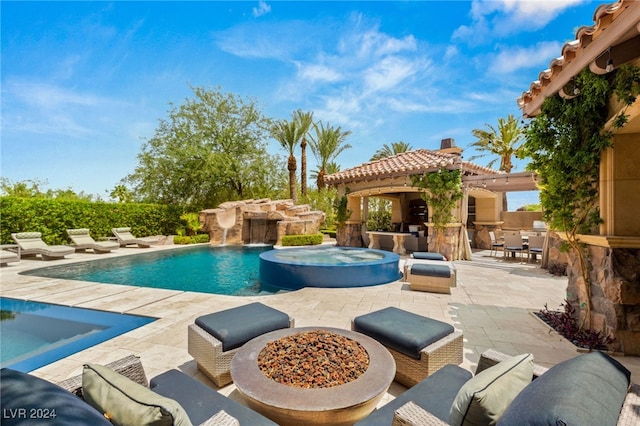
{"points": [[615, 294], [449, 243], [349, 235]]}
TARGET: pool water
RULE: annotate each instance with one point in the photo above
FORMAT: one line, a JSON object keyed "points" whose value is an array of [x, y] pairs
{"points": [[33, 334], [229, 270]]}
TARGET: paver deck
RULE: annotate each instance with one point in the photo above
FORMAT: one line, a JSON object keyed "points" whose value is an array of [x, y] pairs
{"points": [[492, 305]]}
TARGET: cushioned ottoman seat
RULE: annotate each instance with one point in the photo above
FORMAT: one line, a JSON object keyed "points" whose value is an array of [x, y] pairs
{"points": [[214, 338], [430, 275], [419, 345]]}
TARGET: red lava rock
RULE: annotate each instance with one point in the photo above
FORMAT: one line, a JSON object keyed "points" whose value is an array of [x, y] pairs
{"points": [[313, 359]]}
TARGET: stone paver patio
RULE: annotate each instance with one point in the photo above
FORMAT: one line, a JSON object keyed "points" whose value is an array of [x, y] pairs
{"points": [[492, 305]]}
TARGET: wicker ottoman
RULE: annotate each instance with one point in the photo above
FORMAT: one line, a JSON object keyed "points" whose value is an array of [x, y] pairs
{"points": [[430, 275], [419, 345], [214, 338]]}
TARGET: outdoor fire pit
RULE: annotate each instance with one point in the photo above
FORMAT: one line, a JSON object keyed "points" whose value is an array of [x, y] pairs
{"points": [[312, 375]]}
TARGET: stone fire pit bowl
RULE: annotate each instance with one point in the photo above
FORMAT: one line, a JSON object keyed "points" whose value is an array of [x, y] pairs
{"points": [[289, 405]]}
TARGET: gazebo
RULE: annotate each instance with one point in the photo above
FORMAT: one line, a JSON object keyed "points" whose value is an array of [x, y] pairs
{"points": [[479, 211]]}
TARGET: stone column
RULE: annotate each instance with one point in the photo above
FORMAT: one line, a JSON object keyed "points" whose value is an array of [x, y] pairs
{"points": [[615, 294]]}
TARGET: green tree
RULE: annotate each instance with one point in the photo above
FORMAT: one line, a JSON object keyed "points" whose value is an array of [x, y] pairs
{"points": [[122, 194], [305, 121], [505, 142], [206, 152], [389, 151], [24, 189], [329, 142], [288, 134]]}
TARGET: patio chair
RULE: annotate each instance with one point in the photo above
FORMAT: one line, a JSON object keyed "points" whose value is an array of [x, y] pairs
{"points": [[126, 238], [495, 244], [536, 244], [83, 241], [513, 243], [31, 244], [215, 338]]}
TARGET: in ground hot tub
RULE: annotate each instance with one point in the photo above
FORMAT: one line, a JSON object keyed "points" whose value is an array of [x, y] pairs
{"points": [[295, 268]]}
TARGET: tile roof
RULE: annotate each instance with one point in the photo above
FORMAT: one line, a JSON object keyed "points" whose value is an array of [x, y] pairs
{"points": [[576, 55], [407, 163]]}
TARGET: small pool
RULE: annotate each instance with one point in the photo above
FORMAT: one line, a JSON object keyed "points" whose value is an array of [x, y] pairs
{"points": [[231, 270], [35, 334], [330, 267]]}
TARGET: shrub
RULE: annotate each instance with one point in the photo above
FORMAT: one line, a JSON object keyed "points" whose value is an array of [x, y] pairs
{"points": [[53, 217], [193, 239], [302, 240]]}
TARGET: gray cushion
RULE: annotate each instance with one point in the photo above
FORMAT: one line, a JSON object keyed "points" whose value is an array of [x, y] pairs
{"points": [[586, 390], [483, 399], [435, 394], [236, 326], [29, 400], [126, 402], [428, 255], [403, 331], [431, 270], [200, 401]]}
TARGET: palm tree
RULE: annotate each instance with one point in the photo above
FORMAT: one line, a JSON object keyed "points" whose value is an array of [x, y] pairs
{"points": [[328, 143], [304, 121], [288, 134], [505, 142], [389, 151]]}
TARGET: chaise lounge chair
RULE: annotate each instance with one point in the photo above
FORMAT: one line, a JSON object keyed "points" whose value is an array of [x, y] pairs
{"points": [[125, 238], [31, 244], [8, 255], [83, 241]]}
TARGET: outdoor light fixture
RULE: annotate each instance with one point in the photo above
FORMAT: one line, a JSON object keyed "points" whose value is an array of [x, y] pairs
{"points": [[610, 66]]}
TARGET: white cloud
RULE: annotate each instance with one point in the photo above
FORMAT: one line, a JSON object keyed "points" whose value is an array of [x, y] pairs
{"points": [[318, 73], [262, 9], [491, 18], [514, 59]]}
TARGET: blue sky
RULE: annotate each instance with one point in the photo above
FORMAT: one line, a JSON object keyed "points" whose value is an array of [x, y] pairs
{"points": [[85, 83]]}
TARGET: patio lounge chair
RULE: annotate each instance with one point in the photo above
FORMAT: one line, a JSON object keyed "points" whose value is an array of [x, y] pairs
{"points": [[121, 391], [31, 244], [8, 255], [125, 238], [83, 241]]}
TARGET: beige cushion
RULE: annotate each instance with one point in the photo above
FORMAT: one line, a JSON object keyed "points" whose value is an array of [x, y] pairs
{"points": [[483, 399], [125, 402]]}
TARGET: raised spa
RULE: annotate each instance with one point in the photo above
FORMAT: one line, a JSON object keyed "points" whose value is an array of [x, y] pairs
{"points": [[295, 268]]}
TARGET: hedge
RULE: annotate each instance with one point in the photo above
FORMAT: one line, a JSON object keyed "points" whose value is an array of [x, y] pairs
{"points": [[53, 217], [302, 240]]}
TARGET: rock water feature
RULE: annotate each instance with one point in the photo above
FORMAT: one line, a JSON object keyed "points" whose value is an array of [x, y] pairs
{"points": [[259, 221]]}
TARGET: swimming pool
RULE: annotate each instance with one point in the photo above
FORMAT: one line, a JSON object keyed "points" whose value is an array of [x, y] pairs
{"points": [[35, 334], [232, 270]]}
